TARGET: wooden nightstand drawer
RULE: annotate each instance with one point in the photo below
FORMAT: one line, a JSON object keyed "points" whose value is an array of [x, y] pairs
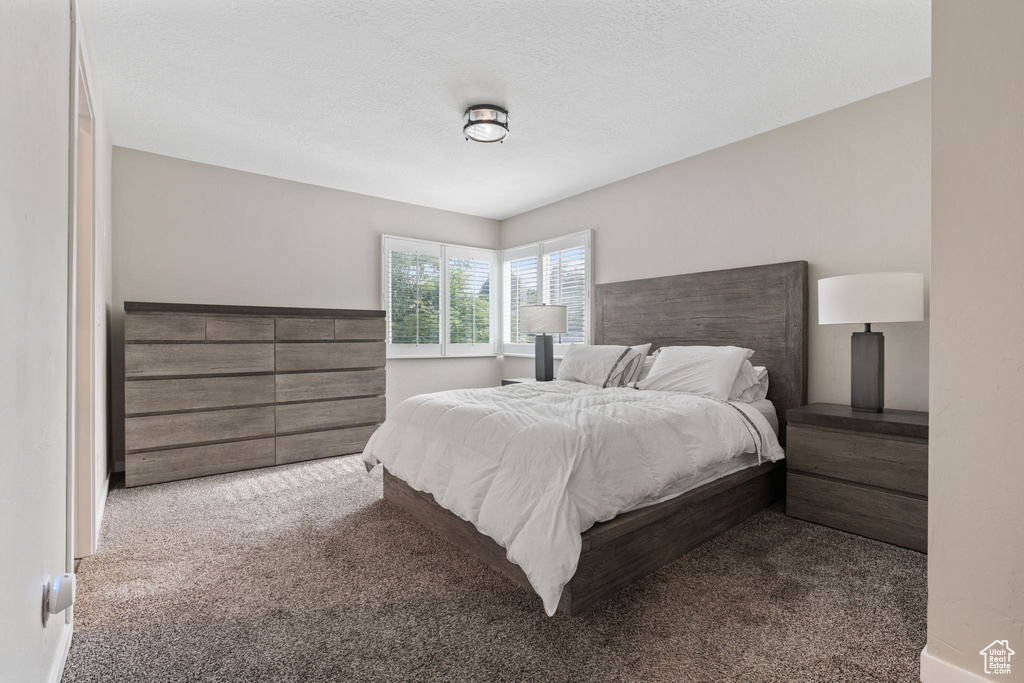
{"points": [[890, 517], [890, 462]]}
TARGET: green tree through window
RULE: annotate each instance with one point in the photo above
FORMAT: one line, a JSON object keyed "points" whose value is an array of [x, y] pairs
{"points": [[469, 307], [439, 298], [415, 298]]}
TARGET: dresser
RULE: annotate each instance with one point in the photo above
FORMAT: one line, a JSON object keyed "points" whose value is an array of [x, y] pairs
{"points": [[213, 389], [866, 473]]}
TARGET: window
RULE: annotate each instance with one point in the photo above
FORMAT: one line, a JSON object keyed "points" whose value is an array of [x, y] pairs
{"points": [[553, 272], [440, 298], [519, 271]]}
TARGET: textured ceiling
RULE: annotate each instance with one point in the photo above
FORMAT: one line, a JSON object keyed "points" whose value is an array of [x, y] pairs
{"points": [[368, 96]]}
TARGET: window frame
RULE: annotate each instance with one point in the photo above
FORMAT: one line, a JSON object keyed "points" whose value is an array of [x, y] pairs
{"points": [[541, 248], [445, 349]]}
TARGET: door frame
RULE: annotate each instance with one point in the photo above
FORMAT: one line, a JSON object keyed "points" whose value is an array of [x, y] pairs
{"points": [[80, 464], [86, 531]]}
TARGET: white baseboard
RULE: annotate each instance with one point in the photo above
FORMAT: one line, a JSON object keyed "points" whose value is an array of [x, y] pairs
{"points": [[935, 670], [65, 647]]}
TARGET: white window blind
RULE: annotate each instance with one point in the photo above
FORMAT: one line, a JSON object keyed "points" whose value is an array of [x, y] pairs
{"points": [[412, 272], [520, 288], [440, 299], [565, 283], [556, 271], [472, 300]]}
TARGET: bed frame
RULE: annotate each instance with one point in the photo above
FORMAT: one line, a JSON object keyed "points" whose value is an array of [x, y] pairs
{"points": [[762, 308]]}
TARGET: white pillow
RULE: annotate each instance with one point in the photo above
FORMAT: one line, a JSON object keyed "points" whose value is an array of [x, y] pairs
{"points": [[601, 366], [648, 364], [704, 370], [751, 383]]}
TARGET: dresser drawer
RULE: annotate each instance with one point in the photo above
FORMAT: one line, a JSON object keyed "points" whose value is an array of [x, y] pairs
{"points": [[169, 395], [299, 417], [197, 461], [877, 514], [239, 328], [322, 444], [359, 328], [891, 462], [164, 327], [155, 360], [160, 431], [331, 356], [305, 329], [311, 386]]}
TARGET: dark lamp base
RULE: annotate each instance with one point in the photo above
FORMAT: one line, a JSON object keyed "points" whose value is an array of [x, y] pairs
{"points": [[867, 376], [544, 351]]}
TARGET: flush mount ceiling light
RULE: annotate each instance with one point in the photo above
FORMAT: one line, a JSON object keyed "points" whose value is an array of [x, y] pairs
{"points": [[485, 123]]}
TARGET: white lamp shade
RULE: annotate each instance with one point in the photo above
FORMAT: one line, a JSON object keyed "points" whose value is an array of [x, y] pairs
{"points": [[544, 319], [871, 298]]}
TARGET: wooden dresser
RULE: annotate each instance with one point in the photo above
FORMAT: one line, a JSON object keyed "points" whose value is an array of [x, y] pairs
{"points": [[212, 389], [866, 473]]}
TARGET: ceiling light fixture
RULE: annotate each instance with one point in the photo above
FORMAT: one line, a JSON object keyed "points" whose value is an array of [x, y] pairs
{"points": [[485, 123]]}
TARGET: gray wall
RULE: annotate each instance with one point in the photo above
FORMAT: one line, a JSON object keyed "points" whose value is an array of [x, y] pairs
{"points": [[34, 121], [194, 233], [976, 457], [847, 190]]}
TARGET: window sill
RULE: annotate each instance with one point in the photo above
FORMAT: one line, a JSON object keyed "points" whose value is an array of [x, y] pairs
{"points": [[529, 355], [468, 355]]}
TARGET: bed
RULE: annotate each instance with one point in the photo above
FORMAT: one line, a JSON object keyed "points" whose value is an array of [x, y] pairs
{"points": [[762, 308]]}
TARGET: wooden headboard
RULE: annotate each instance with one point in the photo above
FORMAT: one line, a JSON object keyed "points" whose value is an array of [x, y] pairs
{"points": [[763, 308]]}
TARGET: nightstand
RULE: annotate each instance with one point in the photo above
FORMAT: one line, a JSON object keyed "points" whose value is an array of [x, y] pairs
{"points": [[866, 473], [517, 380]]}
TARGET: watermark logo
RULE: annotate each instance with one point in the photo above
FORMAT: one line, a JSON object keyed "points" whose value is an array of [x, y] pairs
{"points": [[997, 657]]}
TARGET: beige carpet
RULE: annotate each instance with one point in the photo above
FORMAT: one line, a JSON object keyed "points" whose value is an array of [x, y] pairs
{"points": [[302, 573]]}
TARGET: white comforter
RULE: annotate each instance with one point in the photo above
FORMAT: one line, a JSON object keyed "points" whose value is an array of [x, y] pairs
{"points": [[534, 465]]}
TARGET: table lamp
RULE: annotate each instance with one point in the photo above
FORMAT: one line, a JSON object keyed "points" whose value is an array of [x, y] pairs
{"points": [[870, 298], [544, 321]]}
